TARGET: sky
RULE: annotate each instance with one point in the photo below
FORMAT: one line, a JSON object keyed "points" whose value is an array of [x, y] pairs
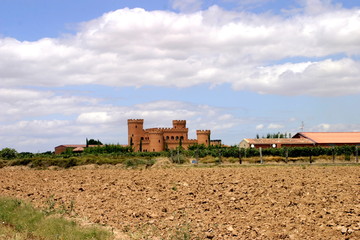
{"points": [[71, 70]]}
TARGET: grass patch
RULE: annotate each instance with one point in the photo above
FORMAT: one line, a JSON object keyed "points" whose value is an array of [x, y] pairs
{"points": [[19, 220]]}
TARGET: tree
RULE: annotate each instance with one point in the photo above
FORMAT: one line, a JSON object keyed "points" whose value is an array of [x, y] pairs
{"points": [[8, 153], [94, 142]]}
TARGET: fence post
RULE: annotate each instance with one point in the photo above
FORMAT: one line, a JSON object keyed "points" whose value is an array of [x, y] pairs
{"points": [[261, 157], [357, 153], [240, 159], [287, 155]]}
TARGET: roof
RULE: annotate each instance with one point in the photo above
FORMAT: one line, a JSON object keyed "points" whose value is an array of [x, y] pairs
{"points": [[72, 145], [331, 137], [77, 145], [278, 141], [78, 149]]}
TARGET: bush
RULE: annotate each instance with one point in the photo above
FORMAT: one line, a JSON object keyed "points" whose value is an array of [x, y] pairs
{"points": [[8, 153], [136, 162], [178, 158]]}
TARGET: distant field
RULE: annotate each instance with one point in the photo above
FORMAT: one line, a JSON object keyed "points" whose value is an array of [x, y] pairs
{"points": [[274, 202]]}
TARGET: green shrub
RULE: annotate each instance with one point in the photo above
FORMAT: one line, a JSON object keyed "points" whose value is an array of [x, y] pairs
{"points": [[178, 158], [8, 153], [135, 162]]}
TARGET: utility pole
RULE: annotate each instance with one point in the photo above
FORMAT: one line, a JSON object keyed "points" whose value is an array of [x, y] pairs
{"points": [[302, 126]]}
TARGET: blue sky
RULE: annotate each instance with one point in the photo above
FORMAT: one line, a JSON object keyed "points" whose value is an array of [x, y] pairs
{"points": [[71, 70]]}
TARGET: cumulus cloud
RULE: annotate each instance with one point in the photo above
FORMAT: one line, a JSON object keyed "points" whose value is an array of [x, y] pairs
{"points": [[17, 103], [275, 126], [104, 122], [134, 47], [335, 127]]}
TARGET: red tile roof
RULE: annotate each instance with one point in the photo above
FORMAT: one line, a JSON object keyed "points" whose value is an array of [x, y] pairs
{"points": [[72, 145], [331, 137], [278, 141]]}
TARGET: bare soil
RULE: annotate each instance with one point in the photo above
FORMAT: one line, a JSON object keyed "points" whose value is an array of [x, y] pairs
{"points": [[296, 202]]}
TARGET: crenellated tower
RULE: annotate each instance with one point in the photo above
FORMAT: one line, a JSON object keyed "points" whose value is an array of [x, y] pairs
{"points": [[203, 137], [179, 124], [156, 140], [135, 132]]}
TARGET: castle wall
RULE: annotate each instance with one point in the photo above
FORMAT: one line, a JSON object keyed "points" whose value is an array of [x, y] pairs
{"points": [[160, 139]]}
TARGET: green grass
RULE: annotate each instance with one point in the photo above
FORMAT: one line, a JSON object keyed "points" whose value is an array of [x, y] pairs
{"points": [[20, 221]]}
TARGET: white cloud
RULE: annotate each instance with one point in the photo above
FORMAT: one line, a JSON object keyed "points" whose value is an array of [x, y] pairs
{"points": [[275, 126], [337, 127], [134, 47], [259, 127], [108, 123], [324, 78], [19, 103], [186, 5]]}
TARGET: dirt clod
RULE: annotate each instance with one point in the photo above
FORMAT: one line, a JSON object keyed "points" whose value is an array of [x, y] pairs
{"points": [[203, 203]]}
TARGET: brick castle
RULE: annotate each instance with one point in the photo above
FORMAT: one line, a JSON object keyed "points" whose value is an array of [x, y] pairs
{"points": [[160, 139]]}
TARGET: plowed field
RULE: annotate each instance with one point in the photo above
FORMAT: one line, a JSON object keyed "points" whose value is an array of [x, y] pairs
{"points": [[311, 202]]}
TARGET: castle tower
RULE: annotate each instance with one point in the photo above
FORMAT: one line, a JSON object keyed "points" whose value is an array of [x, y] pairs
{"points": [[203, 137], [156, 138], [179, 124], [135, 132]]}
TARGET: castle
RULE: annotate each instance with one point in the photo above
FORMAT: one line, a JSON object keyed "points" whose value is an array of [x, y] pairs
{"points": [[160, 139]]}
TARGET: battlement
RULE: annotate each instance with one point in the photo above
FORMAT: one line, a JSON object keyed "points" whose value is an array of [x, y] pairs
{"points": [[138, 121], [203, 131], [179, 123], [167, 130], [155, 133], [160, 138]]}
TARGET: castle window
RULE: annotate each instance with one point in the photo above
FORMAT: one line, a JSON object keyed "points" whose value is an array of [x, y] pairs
{"points": [[167, 137], [159, 140], [135, 126], [182, 137], [177, 138], [142, 138], [153, 150], [172, 137]]}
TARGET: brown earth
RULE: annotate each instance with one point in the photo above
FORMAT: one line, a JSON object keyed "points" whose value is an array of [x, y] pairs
{"points": [[311, 202]]}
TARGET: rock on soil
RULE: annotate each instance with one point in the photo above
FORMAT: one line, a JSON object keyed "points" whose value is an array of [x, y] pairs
{"points": [[204, 203]]}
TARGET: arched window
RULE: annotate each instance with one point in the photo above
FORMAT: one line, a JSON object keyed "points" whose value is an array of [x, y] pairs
{"points": [[167, 137], [172, 137], [177, 138]]}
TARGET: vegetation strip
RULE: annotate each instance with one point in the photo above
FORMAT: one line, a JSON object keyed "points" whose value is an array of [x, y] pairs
{"points": [[19, 220]]}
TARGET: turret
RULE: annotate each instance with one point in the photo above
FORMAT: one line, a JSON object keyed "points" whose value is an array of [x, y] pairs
{"points": [[179, 124], [156, 138], [203, 137], [135, 132]]}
